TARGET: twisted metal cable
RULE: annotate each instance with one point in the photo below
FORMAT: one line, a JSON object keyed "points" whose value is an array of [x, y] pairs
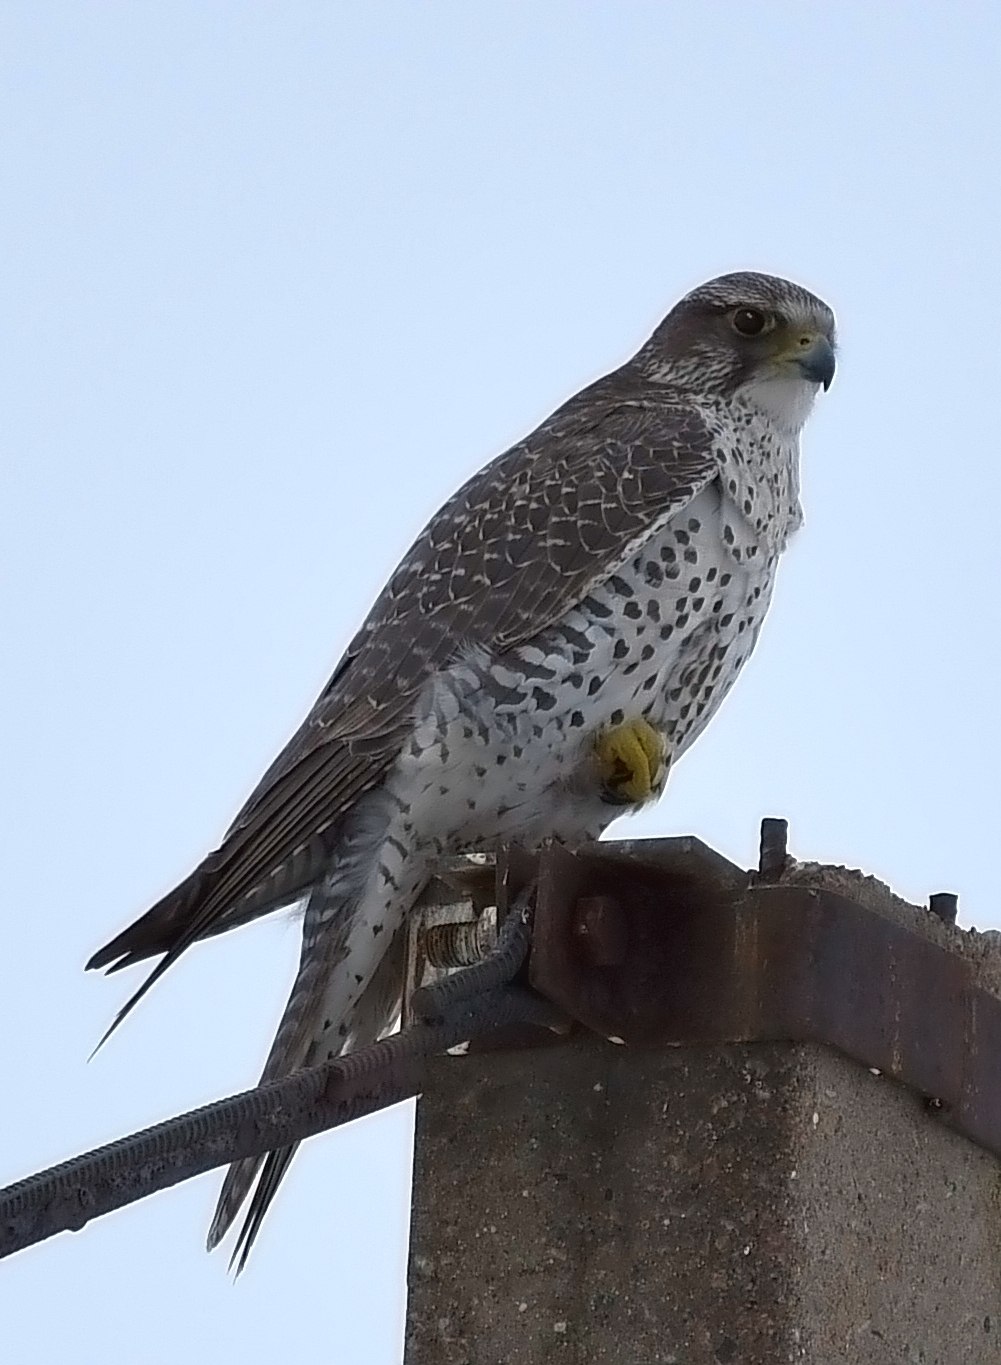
{"points": [[465, 1005]]}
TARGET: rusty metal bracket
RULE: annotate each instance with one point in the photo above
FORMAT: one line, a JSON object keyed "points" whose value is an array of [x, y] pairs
{"points": [[668, 943], [661, 942]]}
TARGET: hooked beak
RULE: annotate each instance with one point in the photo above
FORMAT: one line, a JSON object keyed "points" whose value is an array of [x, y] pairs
{"points": [[815, 357]]}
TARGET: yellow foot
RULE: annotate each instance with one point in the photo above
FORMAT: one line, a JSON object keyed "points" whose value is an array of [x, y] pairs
{"points": [[633, 762]]}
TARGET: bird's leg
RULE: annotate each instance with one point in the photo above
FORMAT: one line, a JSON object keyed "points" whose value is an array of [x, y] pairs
{"points": [[632, 760]]}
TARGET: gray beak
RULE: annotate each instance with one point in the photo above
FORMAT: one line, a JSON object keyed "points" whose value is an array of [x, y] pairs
{"points": [[818, 364]]}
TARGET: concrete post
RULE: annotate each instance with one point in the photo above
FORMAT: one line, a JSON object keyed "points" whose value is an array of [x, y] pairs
{"points": [[598, 1205]]}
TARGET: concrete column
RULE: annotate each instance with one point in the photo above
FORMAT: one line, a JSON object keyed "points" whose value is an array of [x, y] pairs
{"points": [[597, 1205]]}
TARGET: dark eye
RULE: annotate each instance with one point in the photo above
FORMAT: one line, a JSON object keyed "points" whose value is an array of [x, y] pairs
{"points": [[749, 322]]}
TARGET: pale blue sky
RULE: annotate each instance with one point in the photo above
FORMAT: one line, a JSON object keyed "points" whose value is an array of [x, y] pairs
{"points": [[277, 277]]}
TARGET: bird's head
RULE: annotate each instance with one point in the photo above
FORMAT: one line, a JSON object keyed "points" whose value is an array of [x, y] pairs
{"points": [[754, 337]]}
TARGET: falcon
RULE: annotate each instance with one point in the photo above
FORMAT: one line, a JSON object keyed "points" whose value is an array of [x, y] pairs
{"points": [[558, 635]]}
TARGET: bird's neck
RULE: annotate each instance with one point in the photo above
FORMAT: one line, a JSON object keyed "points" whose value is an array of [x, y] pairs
{"points": [[784, 402]]}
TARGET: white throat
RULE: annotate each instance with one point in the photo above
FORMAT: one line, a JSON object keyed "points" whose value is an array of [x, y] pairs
{"points": [[785, 399]]}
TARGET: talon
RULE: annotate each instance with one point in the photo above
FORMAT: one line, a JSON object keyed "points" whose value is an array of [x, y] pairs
{"points": [[633, 762]]}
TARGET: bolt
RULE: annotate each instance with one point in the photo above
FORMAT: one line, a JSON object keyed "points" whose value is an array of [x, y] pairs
{"points": [[459, 944], [600, 929], [773, 855], [944, 904]]}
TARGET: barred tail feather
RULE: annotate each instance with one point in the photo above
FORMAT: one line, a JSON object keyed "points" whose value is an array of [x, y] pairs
{"points": [[289, 1052], [304, 1038]]}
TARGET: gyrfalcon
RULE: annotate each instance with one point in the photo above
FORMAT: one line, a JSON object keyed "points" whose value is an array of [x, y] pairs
{"points": [[560, 633]]}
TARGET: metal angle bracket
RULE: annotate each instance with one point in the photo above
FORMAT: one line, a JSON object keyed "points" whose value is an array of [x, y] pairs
{"points": [[667, 943]]}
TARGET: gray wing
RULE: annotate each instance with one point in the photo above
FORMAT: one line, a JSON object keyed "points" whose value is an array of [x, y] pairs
{"points": [[519, 544]]}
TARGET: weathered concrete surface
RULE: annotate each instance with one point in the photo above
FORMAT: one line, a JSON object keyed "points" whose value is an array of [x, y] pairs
{"points": [[753, 1204]]}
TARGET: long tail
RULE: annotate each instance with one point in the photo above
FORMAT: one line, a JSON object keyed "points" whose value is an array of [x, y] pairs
{"points": [[194, 910], [166, 924], [324, 1017]]}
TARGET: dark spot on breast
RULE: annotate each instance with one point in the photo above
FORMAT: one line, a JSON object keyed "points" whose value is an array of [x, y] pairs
{"points": [[576, 719], [595, 608], [573, 637], [633, 610], [545, 701], [621, 650], [530, 670], [620, 585]]}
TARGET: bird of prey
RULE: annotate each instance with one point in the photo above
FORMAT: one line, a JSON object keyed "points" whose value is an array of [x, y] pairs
{"points": [[560, 632]]}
